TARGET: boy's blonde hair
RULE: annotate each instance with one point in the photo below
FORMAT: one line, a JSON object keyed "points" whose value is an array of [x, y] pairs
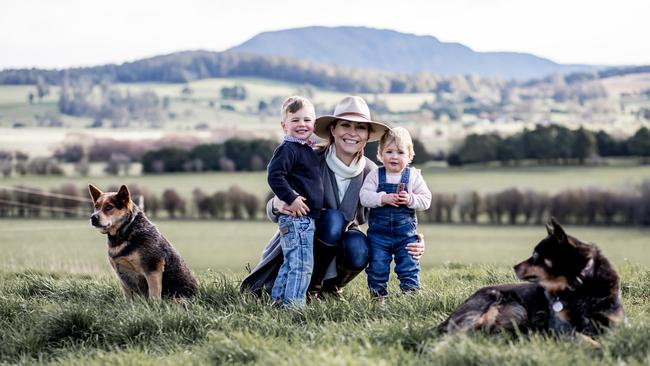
{"points": [[402, 139], [293, 104]]}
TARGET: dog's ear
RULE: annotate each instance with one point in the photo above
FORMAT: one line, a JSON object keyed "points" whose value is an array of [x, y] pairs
{"points": [[123, 196], [558, 231], [549, 229], [94, 192]]}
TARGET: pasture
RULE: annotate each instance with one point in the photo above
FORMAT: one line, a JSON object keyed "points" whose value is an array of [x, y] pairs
{"points": [[200, 113], [81, 319], [73, 246], [60, 304]]}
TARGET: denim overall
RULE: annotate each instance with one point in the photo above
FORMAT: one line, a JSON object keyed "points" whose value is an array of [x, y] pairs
{"points": [[389, 230]]}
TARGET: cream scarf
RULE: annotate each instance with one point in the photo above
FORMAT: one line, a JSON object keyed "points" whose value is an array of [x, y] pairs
{"points": [[342, 172]]}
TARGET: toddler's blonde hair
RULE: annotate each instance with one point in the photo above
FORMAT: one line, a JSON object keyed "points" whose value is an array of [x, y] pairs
{"points": [[293, 104], [402, 139]]}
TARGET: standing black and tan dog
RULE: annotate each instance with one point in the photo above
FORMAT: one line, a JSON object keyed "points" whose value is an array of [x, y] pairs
{"points": [[574, 289], [144, 261]]}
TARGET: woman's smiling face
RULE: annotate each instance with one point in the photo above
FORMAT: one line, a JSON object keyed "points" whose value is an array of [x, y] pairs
{"points": [[349, 138]]}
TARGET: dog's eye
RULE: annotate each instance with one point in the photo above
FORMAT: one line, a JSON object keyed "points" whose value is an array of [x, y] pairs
{"points": [[108, 208], [535, 256]]}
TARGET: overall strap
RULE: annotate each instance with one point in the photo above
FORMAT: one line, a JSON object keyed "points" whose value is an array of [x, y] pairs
{"points": [[405, 175]]}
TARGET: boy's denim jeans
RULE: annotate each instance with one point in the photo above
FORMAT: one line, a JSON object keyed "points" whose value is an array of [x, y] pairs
{"points": [[297, 241], [389, 232]]}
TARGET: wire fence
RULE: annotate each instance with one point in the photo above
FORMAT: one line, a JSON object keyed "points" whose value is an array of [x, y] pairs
{"points": [[38, 192]]}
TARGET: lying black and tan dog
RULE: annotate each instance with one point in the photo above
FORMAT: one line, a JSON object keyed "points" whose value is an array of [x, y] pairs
{"points": [[144, 261], [574, 289]]}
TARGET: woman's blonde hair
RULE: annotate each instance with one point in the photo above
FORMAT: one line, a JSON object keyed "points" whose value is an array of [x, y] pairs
{"points": [[402, 139]]}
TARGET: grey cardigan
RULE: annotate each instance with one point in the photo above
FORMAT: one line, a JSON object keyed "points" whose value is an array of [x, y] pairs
{"points": [[263, 275]]}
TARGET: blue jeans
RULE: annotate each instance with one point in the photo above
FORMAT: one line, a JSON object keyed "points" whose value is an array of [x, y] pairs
{"points": [[297, 242], [388, 236]]}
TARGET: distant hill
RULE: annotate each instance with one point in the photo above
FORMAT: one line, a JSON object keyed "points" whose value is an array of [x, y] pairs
{"points": [[186, 66], [388, 50]]}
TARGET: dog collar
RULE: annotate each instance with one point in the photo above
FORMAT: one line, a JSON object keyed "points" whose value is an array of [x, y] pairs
{"points": [[582, 275], [124, 228]]}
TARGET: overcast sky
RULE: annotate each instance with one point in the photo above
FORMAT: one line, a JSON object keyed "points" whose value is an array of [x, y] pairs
{"points": [[89, 32]]}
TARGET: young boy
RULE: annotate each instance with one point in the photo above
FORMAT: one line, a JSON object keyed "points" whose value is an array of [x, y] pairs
{"points": [[393, 192], [294, 177]]}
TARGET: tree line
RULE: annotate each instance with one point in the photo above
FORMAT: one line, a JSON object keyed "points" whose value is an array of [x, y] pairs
{"points": [[512, 206], [231, 155], [183, 67], [76, 99], [552, 144], [70, 201], [509, 206]]}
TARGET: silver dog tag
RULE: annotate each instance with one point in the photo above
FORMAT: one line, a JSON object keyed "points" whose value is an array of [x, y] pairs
{"points": [[557, 306]]}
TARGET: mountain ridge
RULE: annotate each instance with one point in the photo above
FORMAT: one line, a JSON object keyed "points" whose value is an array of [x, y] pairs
{"points": [[393, 51]]}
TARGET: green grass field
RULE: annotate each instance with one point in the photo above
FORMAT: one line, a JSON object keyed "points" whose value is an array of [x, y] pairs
{"points": [[73, 246], [60, 304], [76, 319]]}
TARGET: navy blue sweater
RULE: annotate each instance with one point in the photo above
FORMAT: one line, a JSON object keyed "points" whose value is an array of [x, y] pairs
{"points": [[296, 167]]}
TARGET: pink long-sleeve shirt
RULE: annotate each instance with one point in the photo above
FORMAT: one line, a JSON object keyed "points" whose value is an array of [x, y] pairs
{"points": [[420, 196]]}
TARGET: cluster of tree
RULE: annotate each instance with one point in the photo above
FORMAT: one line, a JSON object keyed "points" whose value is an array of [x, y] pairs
{"points": [[515, 206], [71, 201], [157, 156], [552, 144], [184, 67], [76, 99], [101, 149], [235, 92], [42, 90], [509, 206], [232, 155], [579, 77], [16, 162]]}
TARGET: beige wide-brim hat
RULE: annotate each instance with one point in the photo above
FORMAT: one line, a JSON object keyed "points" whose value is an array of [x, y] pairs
{"points": [[353, 109]]}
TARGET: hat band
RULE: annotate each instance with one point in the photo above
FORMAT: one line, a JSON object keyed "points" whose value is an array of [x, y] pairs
{"points": [[354, 114]]}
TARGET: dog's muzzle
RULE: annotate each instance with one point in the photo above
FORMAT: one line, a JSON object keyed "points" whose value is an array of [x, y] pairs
{"points": [[94, 221]]}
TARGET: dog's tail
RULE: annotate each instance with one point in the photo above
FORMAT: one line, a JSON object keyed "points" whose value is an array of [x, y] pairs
{"points": [[479, 310]]}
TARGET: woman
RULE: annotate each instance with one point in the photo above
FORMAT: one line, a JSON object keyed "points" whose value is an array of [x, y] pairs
{"points": [[340, 249]]}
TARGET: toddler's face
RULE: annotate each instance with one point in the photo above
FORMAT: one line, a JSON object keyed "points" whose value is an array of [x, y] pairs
{"points": [[395, 158], [300, 124]]}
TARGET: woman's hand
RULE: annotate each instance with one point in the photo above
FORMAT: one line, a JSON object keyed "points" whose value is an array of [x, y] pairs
{"points": [[282, 207], [416, 249], [299, 207]]}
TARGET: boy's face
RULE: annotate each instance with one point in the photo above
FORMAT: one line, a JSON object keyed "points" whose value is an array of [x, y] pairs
{"points": [[395, 158], [300, 124]]}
